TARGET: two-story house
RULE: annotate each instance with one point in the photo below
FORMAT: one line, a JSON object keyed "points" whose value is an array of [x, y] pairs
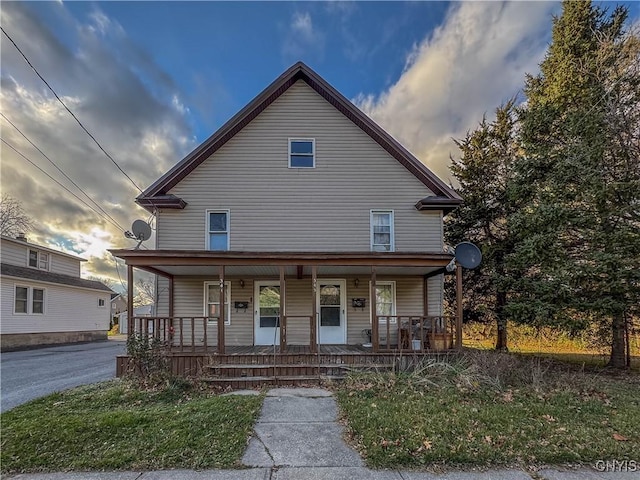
{"points": [[300, 223], [44, 299]]}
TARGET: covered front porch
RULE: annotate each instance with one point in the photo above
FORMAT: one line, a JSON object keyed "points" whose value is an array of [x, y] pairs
{"points": [[288, 303]]}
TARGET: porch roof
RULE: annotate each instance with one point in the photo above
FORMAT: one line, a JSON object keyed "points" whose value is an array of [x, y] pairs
{"points": [[204, 262]]}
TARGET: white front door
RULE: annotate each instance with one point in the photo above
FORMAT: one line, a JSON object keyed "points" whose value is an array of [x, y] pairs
{"points": [[267, 313], [332, 319]]}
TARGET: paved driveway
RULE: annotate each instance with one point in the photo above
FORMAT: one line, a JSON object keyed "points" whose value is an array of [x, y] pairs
{"points": [[30, 374]]}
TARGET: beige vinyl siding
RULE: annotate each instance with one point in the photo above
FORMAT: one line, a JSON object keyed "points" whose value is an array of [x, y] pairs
{"points": [[276, 208], [67, 309], [162, 296], [189, 302], [17, 254]]}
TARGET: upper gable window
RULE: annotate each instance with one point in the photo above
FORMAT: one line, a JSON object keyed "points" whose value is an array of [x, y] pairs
{"points": [[38, 259], [218, 230], [302, 153], [382, 231]]}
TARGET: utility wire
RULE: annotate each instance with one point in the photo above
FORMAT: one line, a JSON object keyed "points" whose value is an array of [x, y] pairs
{"points": [[62, 172], [63, 186], [68, 110]]}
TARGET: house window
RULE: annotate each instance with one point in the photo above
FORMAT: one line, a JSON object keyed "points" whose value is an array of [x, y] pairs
{"points": [[22, 300], [101, 302], [37, 302], [386, 301], [382, 231], [39, 259], [212, 302], [29, 300], [302, 153], [218, 230]]}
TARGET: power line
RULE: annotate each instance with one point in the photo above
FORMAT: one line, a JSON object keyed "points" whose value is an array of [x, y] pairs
{"points": [[61, 171], [68, 110], [63, 186]]}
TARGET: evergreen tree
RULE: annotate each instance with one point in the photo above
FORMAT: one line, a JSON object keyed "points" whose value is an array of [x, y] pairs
{"points": [[484, 171], [578, 183]]}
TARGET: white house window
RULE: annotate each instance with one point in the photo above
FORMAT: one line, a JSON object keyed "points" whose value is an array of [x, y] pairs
{"points": [[37, 301], [386, 301], [218, 230], [302, 152], [382, 231], [29, 300], [38, 259], [101, 302], [212, 302], [22, 300]]}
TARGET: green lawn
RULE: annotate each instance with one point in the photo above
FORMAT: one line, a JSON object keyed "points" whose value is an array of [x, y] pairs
{"points": [[115, 426], [458, 417]]}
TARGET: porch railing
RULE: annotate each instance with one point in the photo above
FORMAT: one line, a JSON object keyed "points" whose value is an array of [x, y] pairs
{"points": [[415, 332], [396, 332]]}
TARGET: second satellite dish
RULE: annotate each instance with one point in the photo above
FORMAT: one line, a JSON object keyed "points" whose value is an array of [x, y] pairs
{"points": [[141, 230], [468, 255]]}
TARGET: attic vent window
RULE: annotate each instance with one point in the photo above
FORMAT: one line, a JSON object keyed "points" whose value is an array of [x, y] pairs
{"points": [[302, 153]]}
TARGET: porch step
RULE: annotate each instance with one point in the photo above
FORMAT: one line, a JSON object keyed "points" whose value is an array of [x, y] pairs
{"points": [[258, 381], [290, 369]]}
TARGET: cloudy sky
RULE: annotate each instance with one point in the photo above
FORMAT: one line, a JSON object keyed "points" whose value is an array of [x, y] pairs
{"points": [[151, 80]]}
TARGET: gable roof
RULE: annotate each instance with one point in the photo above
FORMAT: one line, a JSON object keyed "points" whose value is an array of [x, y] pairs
{"points": [[16, 271], [156, 195]]}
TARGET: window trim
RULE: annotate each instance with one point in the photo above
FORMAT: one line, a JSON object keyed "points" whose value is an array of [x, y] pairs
{"points": [[207, 236], [392, 233], [15, 287], [205, 298], [104, 303], [394, 311], [313, 151], [39, 254], [30, 300]]}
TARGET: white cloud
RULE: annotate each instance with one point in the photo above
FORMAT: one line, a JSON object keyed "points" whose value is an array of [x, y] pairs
{"points": [[473, 62], [120, 94], [302, 38]]}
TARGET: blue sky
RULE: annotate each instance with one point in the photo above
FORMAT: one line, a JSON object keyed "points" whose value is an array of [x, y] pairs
{"points": [[152, 80]]}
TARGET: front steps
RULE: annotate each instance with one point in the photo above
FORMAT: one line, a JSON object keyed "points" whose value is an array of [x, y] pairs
{"points": [[246, 371]]}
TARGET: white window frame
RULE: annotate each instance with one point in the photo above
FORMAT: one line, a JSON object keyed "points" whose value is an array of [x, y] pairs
{"points": [[313, 151], [392, 246], [104, 303], [44, 300], [227, 304], [207, 239], [39, 259], [15, 288], [392, 284], [30, 300]]}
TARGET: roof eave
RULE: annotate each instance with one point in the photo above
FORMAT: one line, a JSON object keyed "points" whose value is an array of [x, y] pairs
{"points": [[298, 71]]}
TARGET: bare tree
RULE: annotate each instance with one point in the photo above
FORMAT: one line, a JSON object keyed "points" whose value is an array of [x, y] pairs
{"points": [[13, 219], [145, 292]]}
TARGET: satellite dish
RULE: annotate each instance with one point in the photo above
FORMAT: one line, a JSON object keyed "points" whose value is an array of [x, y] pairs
{"points": [[141, 230], [468, 255]]}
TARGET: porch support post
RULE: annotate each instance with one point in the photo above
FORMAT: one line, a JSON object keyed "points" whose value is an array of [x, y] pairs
{"points": [[283, 313], [130, 326], [375, 337], [222, 313], [171, 327], [458, 306], [314, 310], [425, 308]]}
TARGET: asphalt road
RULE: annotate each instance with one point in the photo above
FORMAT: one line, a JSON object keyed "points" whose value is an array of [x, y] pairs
{"points": [[30, 374]]}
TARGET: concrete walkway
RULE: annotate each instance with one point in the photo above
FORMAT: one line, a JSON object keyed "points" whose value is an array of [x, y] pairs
{"points": [[297, 437]]}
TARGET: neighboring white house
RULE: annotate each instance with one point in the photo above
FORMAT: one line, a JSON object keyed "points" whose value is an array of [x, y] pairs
{"points": [[44, 299], [141, 311]]}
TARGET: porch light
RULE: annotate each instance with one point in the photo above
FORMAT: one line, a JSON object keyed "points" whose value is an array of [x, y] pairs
{"points": [[356, 282], [241, 283]]}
